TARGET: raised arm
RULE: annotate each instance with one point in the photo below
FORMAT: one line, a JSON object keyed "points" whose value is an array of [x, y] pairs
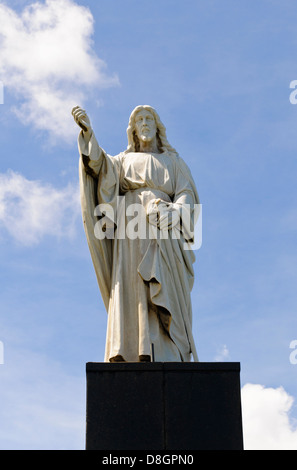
{"points": [[91, 153]]}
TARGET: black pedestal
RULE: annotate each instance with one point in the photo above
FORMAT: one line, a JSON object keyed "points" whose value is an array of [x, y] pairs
{"points": [[164, 406]]}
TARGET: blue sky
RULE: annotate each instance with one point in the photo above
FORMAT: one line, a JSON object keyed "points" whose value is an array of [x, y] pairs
{"points": [[218, 73]]}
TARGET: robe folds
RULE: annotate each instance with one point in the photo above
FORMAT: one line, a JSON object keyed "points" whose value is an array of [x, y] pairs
{"points": [[145, 282]]}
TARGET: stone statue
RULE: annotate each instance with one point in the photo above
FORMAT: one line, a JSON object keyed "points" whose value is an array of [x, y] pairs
{"points": [[145, 276]]}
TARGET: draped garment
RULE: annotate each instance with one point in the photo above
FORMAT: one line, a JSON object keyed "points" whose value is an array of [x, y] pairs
{"points": [[145, 282]]}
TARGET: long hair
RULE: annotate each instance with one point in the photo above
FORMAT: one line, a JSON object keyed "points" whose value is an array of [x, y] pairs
{"points": [[133, 141]]}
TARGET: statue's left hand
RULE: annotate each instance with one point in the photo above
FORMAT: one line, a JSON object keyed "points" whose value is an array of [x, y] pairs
{"points": [[168, 219], [162, 214]]}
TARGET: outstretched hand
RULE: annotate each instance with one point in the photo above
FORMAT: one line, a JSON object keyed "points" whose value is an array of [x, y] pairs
{"points": [[82, 119]]}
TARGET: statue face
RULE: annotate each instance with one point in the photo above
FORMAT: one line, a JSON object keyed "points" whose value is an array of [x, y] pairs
{"points": [[145, 126]]}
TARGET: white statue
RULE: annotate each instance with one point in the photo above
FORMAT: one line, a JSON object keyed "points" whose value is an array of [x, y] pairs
{"points": [[145, 281]]}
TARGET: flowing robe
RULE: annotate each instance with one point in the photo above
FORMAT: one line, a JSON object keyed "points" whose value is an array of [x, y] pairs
{"points": [[145, 282]]}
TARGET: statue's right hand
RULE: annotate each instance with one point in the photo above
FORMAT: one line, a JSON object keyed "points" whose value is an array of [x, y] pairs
{"points": [[82, 119]]}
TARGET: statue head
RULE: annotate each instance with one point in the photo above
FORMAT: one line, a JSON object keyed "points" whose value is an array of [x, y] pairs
{"points": [[160, 130]]}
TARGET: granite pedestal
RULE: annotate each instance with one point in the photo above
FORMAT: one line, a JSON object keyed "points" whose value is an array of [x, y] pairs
{"points": [[163, 406]]}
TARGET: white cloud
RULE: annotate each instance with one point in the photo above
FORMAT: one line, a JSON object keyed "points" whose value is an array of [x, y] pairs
{"points": [[30, 210], [47, 59], [266, 419]]}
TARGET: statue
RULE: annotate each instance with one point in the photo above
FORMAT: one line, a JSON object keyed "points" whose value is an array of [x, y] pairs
{"points": [[145, 281]]}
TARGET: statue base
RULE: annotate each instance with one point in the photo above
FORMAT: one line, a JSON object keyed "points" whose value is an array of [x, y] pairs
{"points": [[163, 406]]}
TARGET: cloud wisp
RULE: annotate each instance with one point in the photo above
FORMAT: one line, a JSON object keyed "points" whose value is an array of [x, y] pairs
{"points": [[47, 60], [30, 210], [222, 354]]}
